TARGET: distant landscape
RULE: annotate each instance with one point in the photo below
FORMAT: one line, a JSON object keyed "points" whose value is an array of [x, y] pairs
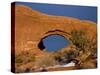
{"points": [[49, 43]]}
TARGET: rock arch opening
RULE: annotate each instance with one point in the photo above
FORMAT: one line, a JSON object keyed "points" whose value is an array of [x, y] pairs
{"points": [[53, 42]]}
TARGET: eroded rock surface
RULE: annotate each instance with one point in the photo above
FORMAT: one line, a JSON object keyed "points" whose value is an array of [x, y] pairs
{"points": [[31, 25]]}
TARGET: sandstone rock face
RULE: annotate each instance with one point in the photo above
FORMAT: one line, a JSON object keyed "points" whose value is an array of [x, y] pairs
{"points": [[31, 26]]}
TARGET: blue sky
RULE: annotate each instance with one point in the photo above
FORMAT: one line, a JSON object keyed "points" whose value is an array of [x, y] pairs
{"points": [[81, 12], [55, 42]]}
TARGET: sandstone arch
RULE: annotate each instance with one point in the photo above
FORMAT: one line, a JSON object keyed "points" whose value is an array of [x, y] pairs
{"points": [[33, 25], [52, 32]]}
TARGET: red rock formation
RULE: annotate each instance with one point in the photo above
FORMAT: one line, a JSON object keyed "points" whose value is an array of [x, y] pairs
{"points": [[31, 25]]}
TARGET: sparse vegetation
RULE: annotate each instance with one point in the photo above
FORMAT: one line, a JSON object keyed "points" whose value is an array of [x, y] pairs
{"points": [[84, 52], [46, 60], [84, 49], [24, 57], [79, 39], [85, 46], [66, 56]]}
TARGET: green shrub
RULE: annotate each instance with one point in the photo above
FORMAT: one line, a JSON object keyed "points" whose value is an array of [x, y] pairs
{"points": [[79, 39]]}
